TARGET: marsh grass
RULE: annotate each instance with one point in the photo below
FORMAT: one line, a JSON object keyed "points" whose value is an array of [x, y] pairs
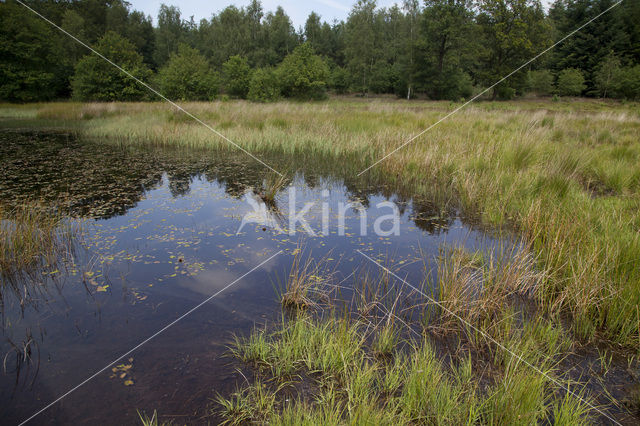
{"points": [[271, 186], [145, 420], [34, 238], [308, 283], [255, 404], [415, 385], [478, 288], [376, 366]]}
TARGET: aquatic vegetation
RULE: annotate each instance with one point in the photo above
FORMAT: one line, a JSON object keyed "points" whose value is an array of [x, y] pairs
{"points": [[271, 186], [564, 179], [33, 238], [476, 289], [307, 283], [145, 420], [256, 404], [485, 356], [345, 382]]}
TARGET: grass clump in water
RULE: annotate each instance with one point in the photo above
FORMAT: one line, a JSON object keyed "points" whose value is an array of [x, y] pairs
{"points": [[307, 283], [271, 186], [33, 238]]}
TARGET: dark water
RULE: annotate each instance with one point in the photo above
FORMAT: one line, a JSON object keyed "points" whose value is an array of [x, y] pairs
{"points": [[159, 237]]}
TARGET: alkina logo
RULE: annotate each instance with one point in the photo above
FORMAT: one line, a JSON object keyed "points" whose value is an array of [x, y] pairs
{"points": [[261, 214], [267, 215]]}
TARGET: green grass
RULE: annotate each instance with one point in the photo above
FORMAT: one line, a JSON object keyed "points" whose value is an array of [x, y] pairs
{"points": [[350, 384], [563, 174], [33, 238], [501, 365]]}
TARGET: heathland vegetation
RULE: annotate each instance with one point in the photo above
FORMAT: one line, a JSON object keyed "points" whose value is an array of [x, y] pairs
{"points": [[441, 49]]}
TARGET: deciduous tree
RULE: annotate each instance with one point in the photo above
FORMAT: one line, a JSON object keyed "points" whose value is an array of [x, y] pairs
{"points": [[188, 76], [97, 80]]}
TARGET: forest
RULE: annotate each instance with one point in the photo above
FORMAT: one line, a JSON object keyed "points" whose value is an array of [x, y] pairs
{"points": [[437, 49]]}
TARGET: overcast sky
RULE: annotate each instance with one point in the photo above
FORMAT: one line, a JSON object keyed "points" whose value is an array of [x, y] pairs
{"points": [[298, 10]]}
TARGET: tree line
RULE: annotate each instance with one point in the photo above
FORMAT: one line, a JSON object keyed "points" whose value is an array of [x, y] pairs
{"points": [[440, 49]]}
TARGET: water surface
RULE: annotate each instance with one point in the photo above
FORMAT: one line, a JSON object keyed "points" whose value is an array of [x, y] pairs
{"points": [[160, 235]]}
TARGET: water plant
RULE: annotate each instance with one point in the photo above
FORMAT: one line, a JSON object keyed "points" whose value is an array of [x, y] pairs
{"points": [[33, 237], [350, 383], [307, 283], [271, 186]]}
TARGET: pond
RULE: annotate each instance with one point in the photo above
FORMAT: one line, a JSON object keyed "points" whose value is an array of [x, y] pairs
{"points": [[162, 231]]}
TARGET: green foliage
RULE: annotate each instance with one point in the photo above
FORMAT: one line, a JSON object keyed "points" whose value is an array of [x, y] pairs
{"points": [[513, 32], [74, 24], [613, 31], [139, 30], [97, 80], [340, 80], [384, 78], [188, 76], [237, 76], [613, 80], [264, 86], [453, 86], [263, 38], [417, 48], [324, 38], [304, 74], [504, 92], [446, 47], [570, 82], [361, 49], [170, 33], [28, 54], [540, 82], [606, 74], [627, 83], [281, 38], [229, 33]]}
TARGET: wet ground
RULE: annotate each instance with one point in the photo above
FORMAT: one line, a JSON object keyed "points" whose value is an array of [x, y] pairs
{"points": [[160, 234]]}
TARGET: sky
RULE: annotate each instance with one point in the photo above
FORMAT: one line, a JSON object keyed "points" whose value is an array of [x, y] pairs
{"points": [[298, 10]]}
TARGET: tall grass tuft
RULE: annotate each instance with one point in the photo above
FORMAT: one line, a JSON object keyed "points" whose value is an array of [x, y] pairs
{"points": [[477, 289], [33, 238], [271, 186], [307, 283]]}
